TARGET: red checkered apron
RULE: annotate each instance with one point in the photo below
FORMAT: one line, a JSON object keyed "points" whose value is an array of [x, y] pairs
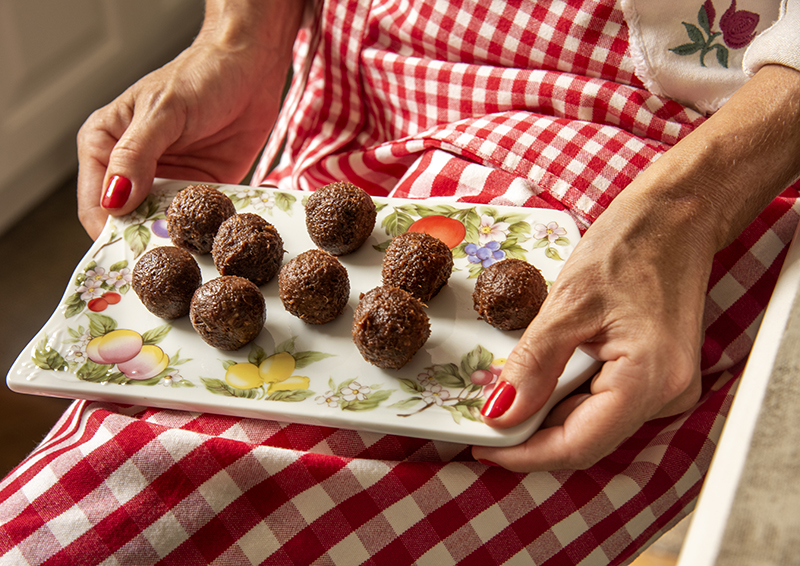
{"points": [[517, 102]]}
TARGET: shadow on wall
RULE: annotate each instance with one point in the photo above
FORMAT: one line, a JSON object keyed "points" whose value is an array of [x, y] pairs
{"points": [[39, 253]]}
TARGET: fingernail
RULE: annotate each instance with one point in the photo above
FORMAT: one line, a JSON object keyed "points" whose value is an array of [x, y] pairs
{"points": [[488, 463], [117, 192], [499, 401]]}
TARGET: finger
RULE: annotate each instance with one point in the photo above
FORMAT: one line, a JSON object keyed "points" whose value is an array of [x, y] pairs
{"points": [[558, 415], [591, 431], [685, 400], [533, 367], [95, 143], [154, 126]]}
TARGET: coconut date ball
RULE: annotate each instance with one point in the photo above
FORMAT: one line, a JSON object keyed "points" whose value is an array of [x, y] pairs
{"points": [[418, 263], [314, 287], [228, 312], [340, 217], [248, 246], [389, 327], [194, 216], [165, 278], [509, 293]]}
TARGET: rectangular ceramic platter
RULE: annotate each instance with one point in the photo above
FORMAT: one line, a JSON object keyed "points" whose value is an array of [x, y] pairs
{"points": [[438, 395]]}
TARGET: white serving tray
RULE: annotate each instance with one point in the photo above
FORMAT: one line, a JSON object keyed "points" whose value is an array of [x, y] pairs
{"points": [[435, 396]]}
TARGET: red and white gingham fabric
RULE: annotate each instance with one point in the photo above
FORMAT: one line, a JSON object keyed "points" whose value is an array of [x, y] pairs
{"points": [[524, 103]]}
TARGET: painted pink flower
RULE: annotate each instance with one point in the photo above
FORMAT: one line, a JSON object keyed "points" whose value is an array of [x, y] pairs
{"points": [[491, 231], [552, 232], [435, 394], [120, 278], [738, 27]]}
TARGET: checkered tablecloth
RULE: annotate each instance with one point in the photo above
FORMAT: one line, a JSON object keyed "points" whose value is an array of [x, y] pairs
{"points": [[522, 103]]}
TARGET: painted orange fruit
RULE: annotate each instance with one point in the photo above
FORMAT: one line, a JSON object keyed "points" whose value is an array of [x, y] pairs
{"points": [[448, 230]]}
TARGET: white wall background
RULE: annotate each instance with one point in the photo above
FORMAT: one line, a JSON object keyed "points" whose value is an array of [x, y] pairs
{"points": [[59, 61]]}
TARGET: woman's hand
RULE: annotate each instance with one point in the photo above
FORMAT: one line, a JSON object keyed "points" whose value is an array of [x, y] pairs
{"points": [[204, 116], [632, 292], [629, 299]]}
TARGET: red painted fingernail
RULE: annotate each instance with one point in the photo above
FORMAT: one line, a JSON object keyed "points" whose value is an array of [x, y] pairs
{"points": [[117, 192], [499, 401], [488, 463]]}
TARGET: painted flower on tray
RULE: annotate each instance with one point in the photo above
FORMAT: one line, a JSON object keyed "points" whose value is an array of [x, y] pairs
{"points": [[119, 278], [552, 231], [330, 399], [97, 274], [246, 193], [548, 235], [491, 231], [484, 255], [90, 289], [262, 201], [355, 392], [458, 388], [435, 394], [352, 396], [175, 379], [77, 354]]}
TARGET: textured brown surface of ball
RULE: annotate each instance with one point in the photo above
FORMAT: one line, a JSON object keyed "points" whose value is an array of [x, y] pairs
{"points": [[340, 217], [248, 246], [418, 263], [228, 312], [389, 327], [509, 294], [194, 216], [314, 287], [165, 278]]}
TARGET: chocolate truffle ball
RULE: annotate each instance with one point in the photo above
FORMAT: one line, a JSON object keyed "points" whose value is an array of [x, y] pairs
{"points": [[165, 278], [418, 263], [509, 293], [389, 326], [194, 216], [228, 312], [314, 287], [340, 217], [248, 246]]}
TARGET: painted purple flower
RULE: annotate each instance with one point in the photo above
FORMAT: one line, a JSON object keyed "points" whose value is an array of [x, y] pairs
{"points": [[738, 27], [485, 255]]}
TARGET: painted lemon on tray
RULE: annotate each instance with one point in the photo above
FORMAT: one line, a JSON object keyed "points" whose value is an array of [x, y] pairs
{"points": [[275, 372]]}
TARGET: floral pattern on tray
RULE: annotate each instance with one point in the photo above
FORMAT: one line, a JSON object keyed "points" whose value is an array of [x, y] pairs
{"points": [[101, 343]]}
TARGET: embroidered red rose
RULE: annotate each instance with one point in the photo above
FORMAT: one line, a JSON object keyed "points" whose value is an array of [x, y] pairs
{"points": [[738, 27], [738, 30]]}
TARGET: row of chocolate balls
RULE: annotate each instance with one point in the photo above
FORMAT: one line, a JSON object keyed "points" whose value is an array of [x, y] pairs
{"points": [[390, 324]]}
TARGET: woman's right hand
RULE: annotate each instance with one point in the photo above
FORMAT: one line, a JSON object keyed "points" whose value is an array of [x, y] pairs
{"points": [[204, 116]]}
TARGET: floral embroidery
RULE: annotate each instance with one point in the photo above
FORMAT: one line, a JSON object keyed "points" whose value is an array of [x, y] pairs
{"points": [[737, 31]]}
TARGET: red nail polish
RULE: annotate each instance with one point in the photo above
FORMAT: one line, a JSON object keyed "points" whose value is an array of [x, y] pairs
{"points": [[117, 192], [499, 401], [488, 463]]}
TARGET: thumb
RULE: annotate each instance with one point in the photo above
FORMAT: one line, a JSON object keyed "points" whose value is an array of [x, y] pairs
{"points": [[134, 158], [531, 373]]}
